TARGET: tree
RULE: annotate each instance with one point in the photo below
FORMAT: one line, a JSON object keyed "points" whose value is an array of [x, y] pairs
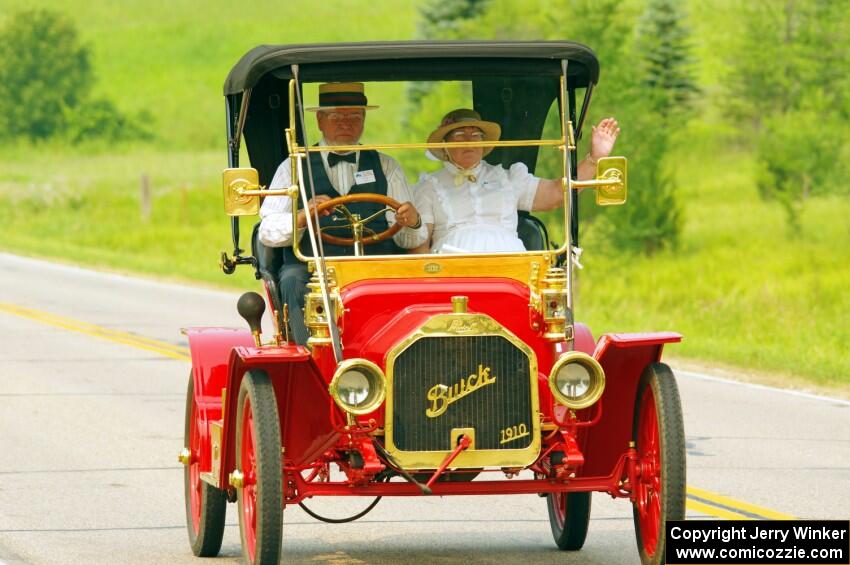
{"points": [[651, 105], [798, 157], [788, 81], [443, 18], [652, 218], [440, 19], [45, 72], [645, 78], [643, 96], [781, 51], [46, 78], [98, 118], [666, 62]]}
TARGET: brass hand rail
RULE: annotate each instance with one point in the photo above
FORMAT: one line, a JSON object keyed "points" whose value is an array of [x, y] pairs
{"points": [[440, 145]]}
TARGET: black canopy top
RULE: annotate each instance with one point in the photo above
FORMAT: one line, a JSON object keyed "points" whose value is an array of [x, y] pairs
{"points": [[412, 60]]}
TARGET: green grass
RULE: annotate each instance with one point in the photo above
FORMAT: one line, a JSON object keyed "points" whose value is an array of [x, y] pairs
{"points": [[740, 288], [171, 57], [87, 209]]}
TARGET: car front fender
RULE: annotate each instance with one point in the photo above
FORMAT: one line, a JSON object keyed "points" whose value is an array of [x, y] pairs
{"points": [[623, 358], [305, 409]]}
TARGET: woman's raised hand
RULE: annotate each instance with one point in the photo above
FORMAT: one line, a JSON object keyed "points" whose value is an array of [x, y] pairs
{"points": [[603, 138]]}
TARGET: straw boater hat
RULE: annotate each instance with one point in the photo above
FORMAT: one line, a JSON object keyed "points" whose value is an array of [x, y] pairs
{"points": [[335, 95], [461, 118]]}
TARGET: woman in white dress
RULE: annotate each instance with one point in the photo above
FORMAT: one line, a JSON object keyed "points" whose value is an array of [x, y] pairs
{"points": [[470, 206]]}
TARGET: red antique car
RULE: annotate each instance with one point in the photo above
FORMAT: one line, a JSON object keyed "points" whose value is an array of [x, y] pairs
{"points": [[425, 374]]}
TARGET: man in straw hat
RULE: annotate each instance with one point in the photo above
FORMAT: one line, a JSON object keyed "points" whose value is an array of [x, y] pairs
{"points": [[341, 116], [471, 205]]}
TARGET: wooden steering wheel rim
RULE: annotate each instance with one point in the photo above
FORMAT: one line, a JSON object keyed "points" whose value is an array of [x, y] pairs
{"points": [[362, 197]]}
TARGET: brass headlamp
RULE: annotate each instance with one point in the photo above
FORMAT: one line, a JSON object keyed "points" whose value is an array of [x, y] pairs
{"points": [[358, 386], [577, 380]]}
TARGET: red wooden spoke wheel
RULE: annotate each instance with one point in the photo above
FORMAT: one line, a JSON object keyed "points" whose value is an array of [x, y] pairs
{"points": [[205, 504], [259, 459], [248, 463], [569, 517], [660, 443], [363, 197]]}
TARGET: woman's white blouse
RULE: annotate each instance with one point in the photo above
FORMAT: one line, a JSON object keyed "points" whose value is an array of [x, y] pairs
{"points": [[479, 216]]}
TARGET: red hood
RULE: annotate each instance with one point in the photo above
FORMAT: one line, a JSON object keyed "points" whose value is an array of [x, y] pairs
{"points": [[380, 313]]}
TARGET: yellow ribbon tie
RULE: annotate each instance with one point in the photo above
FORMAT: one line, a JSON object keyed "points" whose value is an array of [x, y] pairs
{"points": [[464, 175]]}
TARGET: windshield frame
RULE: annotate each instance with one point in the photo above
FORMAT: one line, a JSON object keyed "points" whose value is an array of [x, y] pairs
{"points": [[299, 153]]}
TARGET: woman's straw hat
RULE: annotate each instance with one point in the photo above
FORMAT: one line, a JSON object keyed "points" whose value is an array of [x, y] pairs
{"points": [[461, 118]]}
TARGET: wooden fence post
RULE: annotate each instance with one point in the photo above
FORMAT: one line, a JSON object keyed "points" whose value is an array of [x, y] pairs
{"points": [[145, 199], [184, 204]]}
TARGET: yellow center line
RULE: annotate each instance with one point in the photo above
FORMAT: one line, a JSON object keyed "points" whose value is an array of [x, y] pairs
{"points": [[124, 338], [724, 502], [696, 506], [699, 500]]}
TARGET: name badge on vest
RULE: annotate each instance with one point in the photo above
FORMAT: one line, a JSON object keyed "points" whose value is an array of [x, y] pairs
{"points": [[364, 177]]}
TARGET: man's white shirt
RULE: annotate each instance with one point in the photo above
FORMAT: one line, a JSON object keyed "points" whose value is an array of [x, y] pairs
{"points": [[276, 211]]}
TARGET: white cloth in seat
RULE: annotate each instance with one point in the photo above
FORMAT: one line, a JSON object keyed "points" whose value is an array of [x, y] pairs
{"points": [[475, 216]]}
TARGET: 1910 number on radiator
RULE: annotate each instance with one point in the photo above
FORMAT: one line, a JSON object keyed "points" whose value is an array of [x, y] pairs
{"points": [[512, 433]]}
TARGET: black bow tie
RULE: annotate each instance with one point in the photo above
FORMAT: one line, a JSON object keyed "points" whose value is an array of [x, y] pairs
{"points": [[334, 158]]}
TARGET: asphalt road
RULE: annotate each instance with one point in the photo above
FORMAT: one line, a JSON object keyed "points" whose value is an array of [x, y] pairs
{"points": [[92, 382]]}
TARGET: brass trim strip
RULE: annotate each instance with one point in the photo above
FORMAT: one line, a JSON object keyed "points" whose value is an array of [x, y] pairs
{"points": [[547, 256], [515, 267], [268, 192], [312, 230], [580, 184], [438, 145], [567, 176]]}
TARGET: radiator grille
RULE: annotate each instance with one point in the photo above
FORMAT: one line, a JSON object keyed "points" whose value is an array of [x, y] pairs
{"points": [[496, 411]]}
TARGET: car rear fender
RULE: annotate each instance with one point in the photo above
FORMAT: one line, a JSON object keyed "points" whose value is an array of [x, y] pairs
{"points": [[304, 404], [623, 357], [210, 350]]}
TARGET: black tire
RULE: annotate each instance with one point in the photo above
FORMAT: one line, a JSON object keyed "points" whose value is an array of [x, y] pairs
{"points": [[205, 536], [658, 379], [257, 393], [569, 518]]}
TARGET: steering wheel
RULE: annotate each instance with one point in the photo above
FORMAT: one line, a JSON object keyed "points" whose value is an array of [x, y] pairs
{"points": [[362, 197]]}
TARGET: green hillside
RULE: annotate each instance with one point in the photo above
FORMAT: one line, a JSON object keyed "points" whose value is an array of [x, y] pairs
{"points": [[743, 290], [171, 57]]}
